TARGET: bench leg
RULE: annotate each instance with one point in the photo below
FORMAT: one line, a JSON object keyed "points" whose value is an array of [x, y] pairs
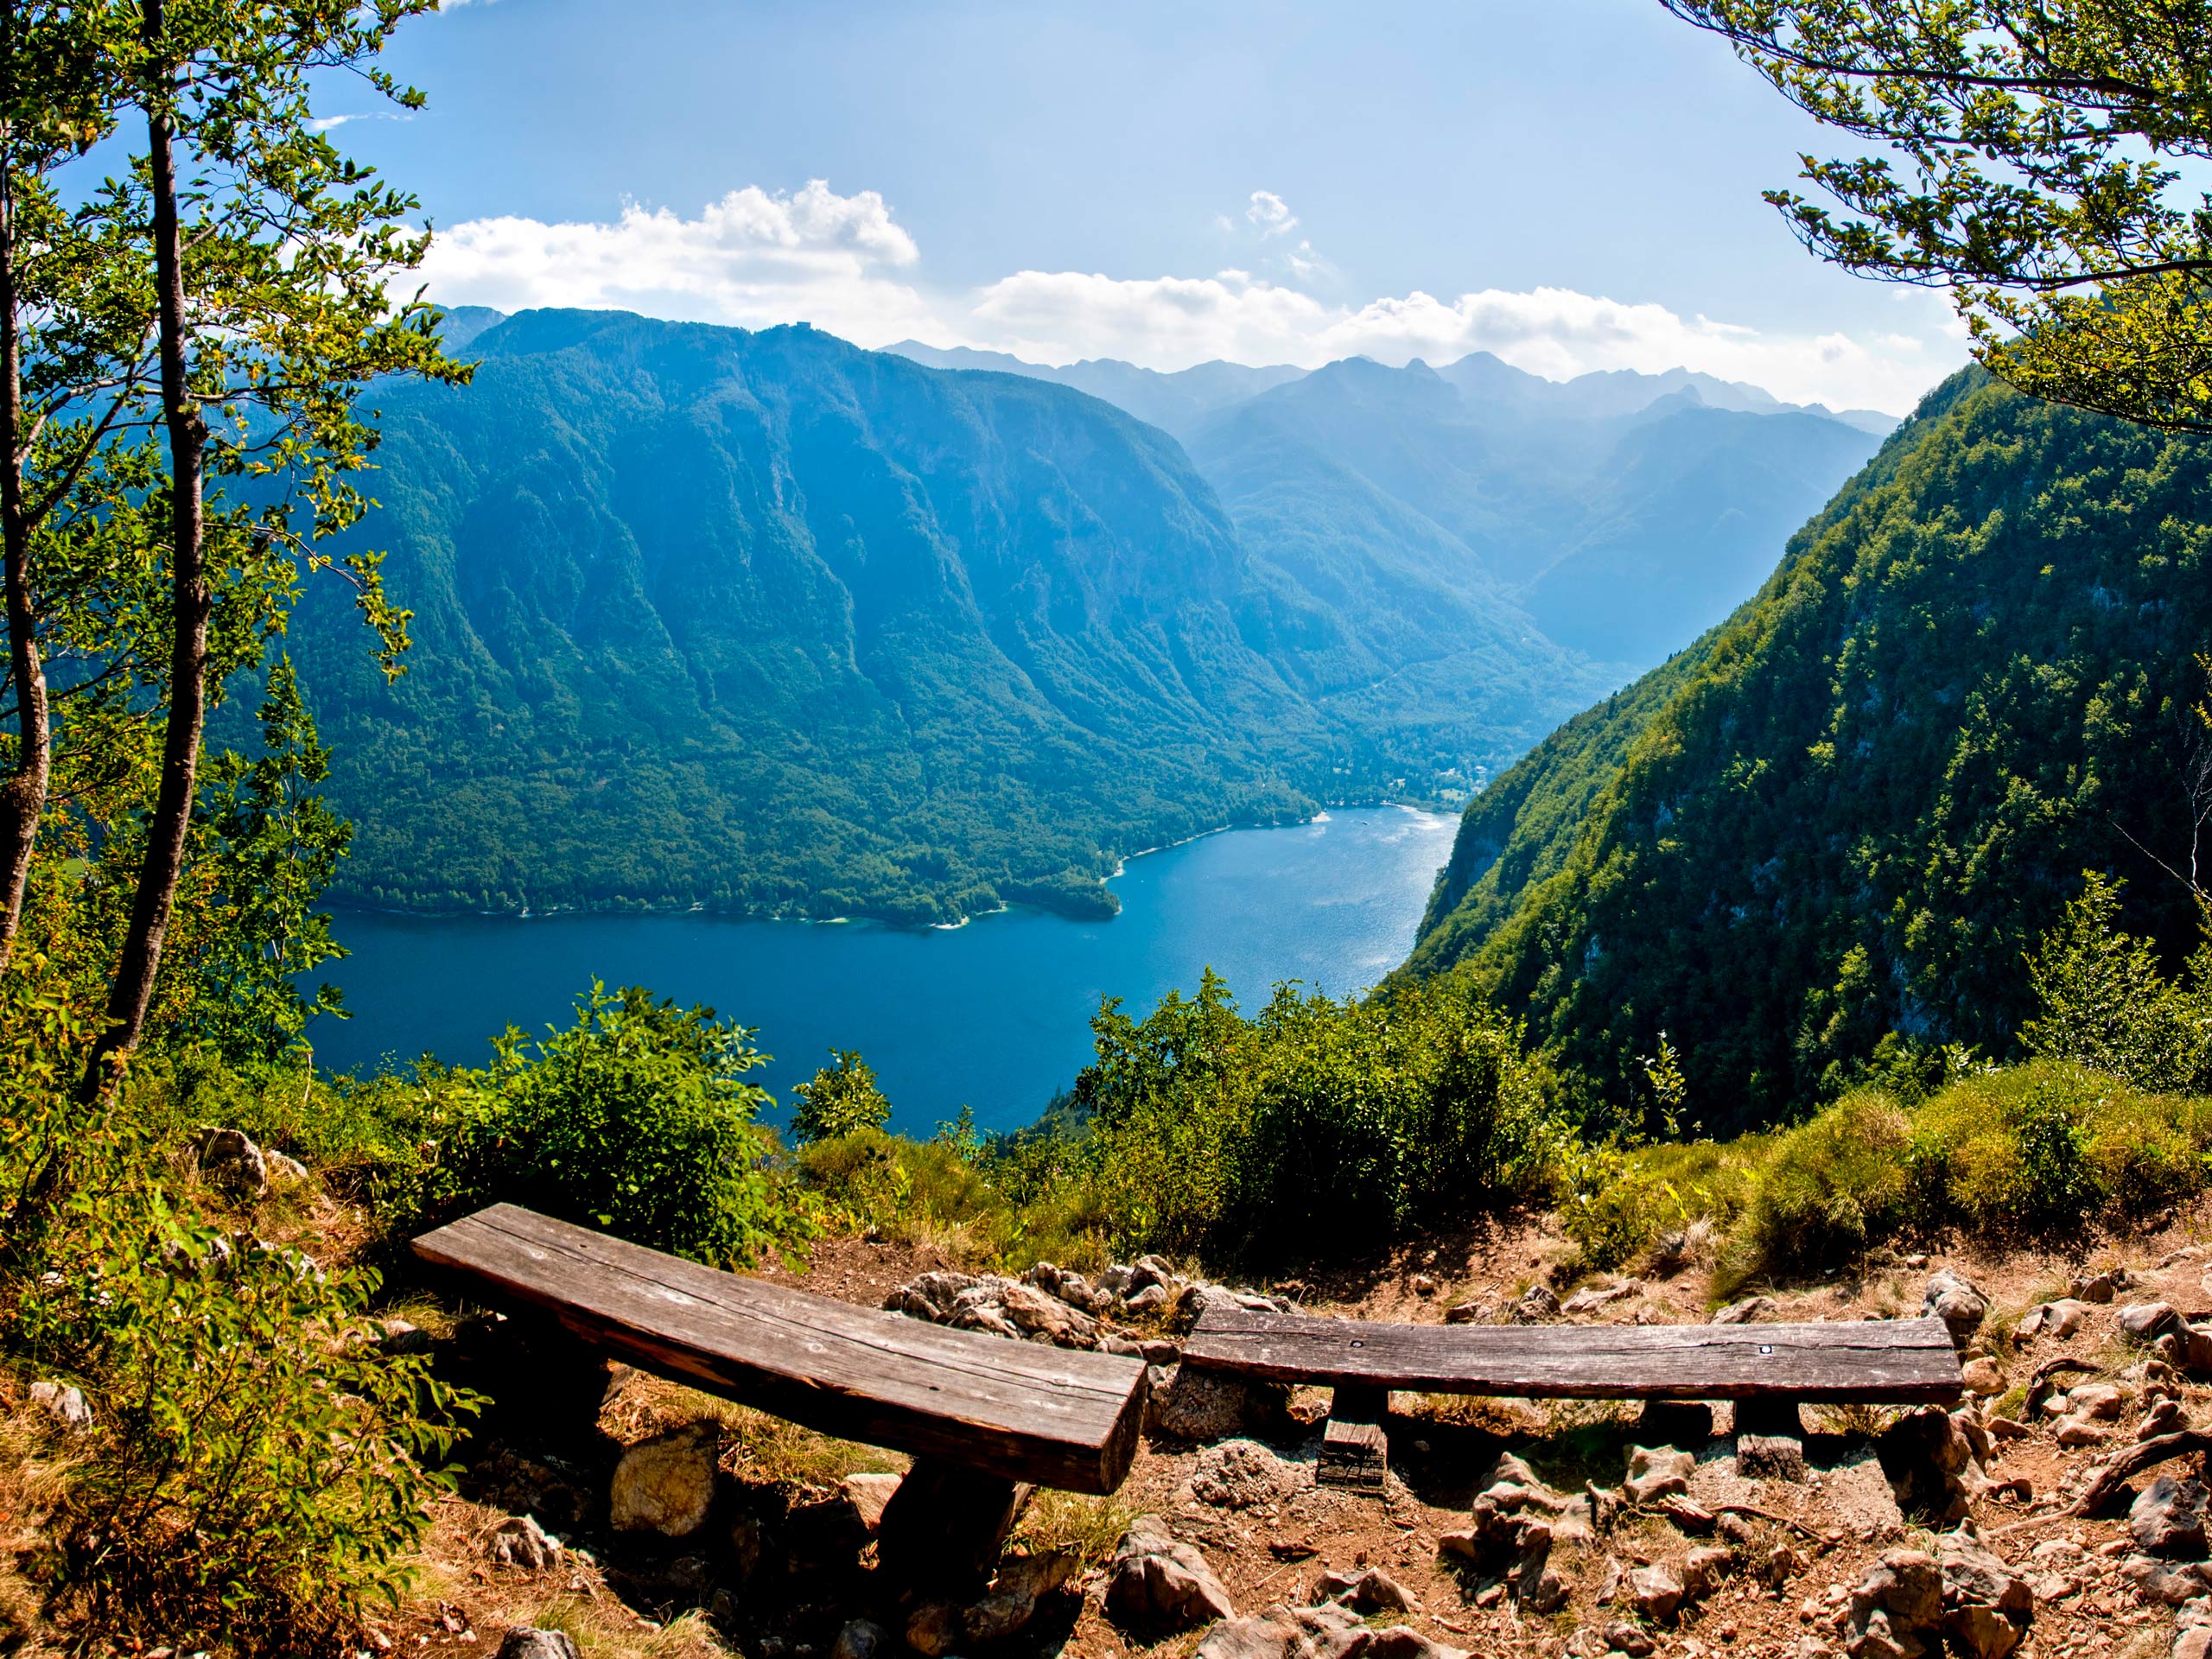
{"points": [[1770, 1440], [945, 1524], [1355, 1454]]}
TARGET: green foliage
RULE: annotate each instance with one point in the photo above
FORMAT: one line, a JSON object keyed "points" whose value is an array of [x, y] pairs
{"points": [[842, 1096], [1831, 846], [636, 1119], [1317, 1122], [256, 1474], [2047, 180], [2106, 1001], [276, 848]]}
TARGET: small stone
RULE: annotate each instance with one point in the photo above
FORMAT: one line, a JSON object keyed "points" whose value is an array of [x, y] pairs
{"points": [[2168, 1519], [1703, 1568], [1376, 1592], [861, 1638], [1155, 1580], [1656, 1592], [285, 1170], [1020, 1584], [933, 1628], [520, 1542], [1252, 1638], [2164, 1417], [2005, 1428], [1983, 1376], [1198, 1406], [1145, 1300], [2146, 1320], [1657, 1473], [666, 1485], [1750, 1310], [2194, 1643], [1466, 1313], [63, 1406], [868, 1495], [2075, 1433], [2098, 1287], [526, 1641], [231, 1162], [1421, 1285], [2100, 1402], [1986, 1607]]}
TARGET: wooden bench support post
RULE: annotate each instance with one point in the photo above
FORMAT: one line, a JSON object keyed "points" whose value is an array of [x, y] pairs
{"points": [[945, 1526], [1355, 1454], [1769, 1439]]}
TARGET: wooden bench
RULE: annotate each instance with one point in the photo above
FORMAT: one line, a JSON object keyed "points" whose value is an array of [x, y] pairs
{"points": [[1770, 1368], [982, 1417]]}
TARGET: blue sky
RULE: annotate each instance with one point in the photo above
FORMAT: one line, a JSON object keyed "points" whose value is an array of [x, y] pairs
{"points": [[1572, 183]]}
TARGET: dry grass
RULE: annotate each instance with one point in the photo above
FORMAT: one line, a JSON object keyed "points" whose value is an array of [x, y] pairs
{"points": [[602, 1628], [33, 1472], [1857, 1419], [1088, 1528]]}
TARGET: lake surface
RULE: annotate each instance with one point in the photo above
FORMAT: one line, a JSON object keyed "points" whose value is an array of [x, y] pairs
{"points": [[993, 1015]]}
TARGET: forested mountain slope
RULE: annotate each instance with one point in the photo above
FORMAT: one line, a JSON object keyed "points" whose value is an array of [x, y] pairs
{"points": [[763, 621], [1849, 813]]}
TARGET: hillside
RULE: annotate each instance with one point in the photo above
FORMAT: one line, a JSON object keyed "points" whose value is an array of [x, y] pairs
{"points": [[761, 620], [1619, 530], [1851, 810]]}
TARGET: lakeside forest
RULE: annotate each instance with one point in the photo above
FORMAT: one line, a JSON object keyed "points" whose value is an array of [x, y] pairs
{"points": [[1872, 916]]}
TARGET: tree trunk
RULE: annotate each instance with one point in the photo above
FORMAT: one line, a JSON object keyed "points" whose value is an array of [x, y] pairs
{"points": [[23, 798], [132, 991]]}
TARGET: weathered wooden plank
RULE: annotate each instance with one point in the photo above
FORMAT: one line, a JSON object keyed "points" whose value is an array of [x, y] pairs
{"points": [[1355, 1451], [1893, 1360], [1015, 1409]]}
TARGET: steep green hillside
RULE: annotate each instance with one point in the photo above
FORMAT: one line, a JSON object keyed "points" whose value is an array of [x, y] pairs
{"points": [[765, 621], [1862, 800]]}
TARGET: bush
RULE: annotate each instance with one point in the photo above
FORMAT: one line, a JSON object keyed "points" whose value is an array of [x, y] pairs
{"points": [[2104, 1002], [1828, 1189], [637, 1120], [842, 1098], [1317, 1125]]}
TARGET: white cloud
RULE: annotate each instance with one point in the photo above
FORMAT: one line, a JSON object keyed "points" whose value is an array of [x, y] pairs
{"points": [[752, 258], [330, 123], [844, 264], [1271, 213]]}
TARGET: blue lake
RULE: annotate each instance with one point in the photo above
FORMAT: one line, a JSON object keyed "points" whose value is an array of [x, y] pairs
{"points": [[993, 1015]]}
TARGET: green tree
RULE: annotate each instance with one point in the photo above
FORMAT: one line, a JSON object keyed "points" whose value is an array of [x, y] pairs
{"points": [[843, 1097], [2046, 175], [262, 257]]}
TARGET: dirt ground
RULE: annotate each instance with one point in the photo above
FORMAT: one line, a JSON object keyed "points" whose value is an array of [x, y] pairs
{"points": [[1796, 1558]]}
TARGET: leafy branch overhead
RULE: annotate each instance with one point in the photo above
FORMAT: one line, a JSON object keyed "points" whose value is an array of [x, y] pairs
{"points": [[2040, 167]]}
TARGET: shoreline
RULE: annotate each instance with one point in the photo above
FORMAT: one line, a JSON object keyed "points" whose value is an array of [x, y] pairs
{"points": [[695, 907]]}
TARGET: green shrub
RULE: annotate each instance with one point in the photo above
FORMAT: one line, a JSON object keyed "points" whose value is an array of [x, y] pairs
{"points": [[843, 1097], [2104, 1002], [636, 1119]]}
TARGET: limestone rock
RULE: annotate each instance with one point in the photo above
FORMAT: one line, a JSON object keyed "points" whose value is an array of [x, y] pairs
{"points": [[1590, 1297], [1376, 1592], [2174, 1583], [1537, 1302], [231, 1162], [1253, 1638], [1155, 1580], [1983, 1376], [2168, 1519], [1656, 1591], [1655, 1472], [285, 1170], [666, 1485], [2194, 1643], [862, 1639], [1986, 1607], [1466, 1313], [1703, 1569], [1925, 1454], [1750, 1310], [868, 1494], [2099, 1402], [62, 1406], [520, 1542], [1147, 1299], [2100, 1287], [1952, 1297], [2147, 1320], [1015, 1593], [526, 1642], [1036, 1313], [933, 1628], [1897, 1610]]}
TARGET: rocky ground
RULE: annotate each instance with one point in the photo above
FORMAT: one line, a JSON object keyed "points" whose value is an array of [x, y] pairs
{"points": [[685, 1525]]}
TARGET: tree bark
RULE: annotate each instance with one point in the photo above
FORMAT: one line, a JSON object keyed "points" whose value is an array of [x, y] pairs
{"points": [[132, 991], [23, 798]]}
